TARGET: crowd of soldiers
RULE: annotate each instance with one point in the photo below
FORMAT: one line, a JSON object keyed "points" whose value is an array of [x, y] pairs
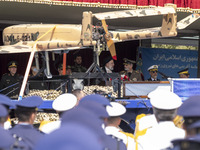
{"points": [[92, 122]]}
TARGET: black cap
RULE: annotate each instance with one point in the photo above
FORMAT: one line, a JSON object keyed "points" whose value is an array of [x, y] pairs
{"points": [[12, 64], [184, 71], [128, 61], [106, 60]]}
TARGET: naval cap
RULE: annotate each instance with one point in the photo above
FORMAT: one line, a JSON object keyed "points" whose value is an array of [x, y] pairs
{"points": [[153, 68], [116, 109], [3, 111], [12, 64], [5, 100], [190, 107], [64, 102], [163, 99], [184, 71], [97, 98], [30, 102]]}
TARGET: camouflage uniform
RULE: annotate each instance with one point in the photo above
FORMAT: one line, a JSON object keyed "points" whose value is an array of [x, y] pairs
{"points": [[7, 80], [78, 68]]}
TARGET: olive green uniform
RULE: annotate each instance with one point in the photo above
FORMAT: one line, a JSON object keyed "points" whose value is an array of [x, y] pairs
{"points": [[78, 68], [8, 80]]}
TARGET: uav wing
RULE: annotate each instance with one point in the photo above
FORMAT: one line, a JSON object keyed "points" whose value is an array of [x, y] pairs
{"points": [[26, 47], [187, 21], [135, 13]]}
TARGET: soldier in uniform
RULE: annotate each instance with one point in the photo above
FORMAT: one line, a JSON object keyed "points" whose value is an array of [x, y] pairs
{"points": [[184, 73], [26, 112], [9, 79], [112, 124], [132, 75], [153, 71], [165, 105], [78, 64], [55, 85]]}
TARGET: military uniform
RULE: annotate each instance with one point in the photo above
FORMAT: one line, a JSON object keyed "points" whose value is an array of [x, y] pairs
{"points": [[8, 80], [78, 68], [24, 129], [135, 75], [165, 105], [130, 74], [154, 69]]}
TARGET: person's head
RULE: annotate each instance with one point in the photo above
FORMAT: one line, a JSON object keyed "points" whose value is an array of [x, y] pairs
{"points": [[68, 69], [12, 67], [164, 104], [184, 73], [78, 59], [153, 71], [79, 94], [128, 64], [34, 69], [114, 111], [27, 108], [109, 63]]}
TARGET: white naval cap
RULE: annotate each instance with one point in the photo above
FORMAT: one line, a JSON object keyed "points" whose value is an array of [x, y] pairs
{"points": [[163, 99], [116, 109], [153, 68], [64, 102]]}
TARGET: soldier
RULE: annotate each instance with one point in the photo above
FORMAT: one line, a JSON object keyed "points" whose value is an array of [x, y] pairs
{"points": [[165, 105], [132, 75], [68, 70], [190, 111], [11, 80], [7, 141], [79, 94], [78, 64], [61, 104], [26, 112], [153, 71], [184, 73], [57, 84], [112, 124], [6, 101]]}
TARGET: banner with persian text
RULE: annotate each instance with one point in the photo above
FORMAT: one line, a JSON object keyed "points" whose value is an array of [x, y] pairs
{"points": [[169, 61]]}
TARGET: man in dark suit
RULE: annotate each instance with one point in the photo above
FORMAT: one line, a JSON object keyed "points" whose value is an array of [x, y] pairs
{"points": [[153, 71]]}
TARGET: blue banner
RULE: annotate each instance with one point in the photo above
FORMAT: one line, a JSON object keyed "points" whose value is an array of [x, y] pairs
{"points": [[169, 61], [186, 87]]}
